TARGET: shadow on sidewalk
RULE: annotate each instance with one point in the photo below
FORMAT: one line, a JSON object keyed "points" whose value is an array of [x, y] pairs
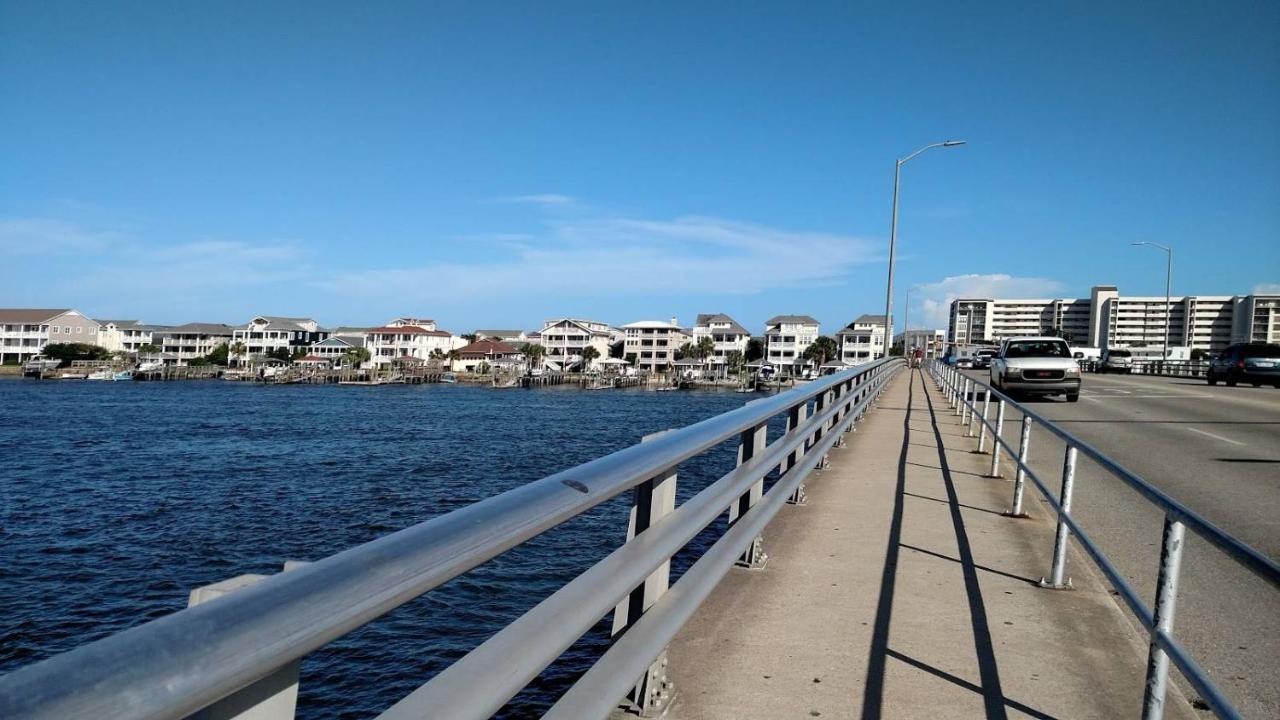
{"points": [[994, 701]]}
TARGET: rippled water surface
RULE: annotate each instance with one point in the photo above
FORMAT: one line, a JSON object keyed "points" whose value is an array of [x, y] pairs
{"points": [[117, 498]]}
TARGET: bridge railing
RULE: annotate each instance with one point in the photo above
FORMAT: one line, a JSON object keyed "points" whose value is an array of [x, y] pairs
{"points": [[963, 395], [241, 649]]}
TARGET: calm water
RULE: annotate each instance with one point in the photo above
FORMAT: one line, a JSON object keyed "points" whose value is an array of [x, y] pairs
{"points": [[117, 498]]}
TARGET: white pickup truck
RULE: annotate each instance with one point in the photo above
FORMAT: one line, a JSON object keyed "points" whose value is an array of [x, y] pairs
{"points": [[1036, 366]]}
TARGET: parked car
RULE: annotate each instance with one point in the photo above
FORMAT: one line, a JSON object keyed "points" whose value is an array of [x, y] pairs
{"points": [[1254, 363], [964, 362], [1116, 360], [1036, 366]]}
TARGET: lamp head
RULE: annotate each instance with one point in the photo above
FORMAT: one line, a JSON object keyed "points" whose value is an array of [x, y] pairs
{"points": [[953, 143]]}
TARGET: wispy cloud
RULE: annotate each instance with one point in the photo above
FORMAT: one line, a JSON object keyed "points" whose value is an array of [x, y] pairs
{"points": [[934, 303], [544, 199], [619, 257], [1266, 289], [44, 236]]}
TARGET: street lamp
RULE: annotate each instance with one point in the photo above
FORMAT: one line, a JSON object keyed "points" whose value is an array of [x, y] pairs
{"points": [[1168, 279], [906, 319], [893, 237]]}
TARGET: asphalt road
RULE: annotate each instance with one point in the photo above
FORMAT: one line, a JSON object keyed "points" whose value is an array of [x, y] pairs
{"points": [[1217, 451]]}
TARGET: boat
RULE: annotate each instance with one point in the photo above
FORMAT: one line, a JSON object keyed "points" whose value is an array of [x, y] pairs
{"points": [[667, 388], [104, 374], [745, 390], [448, 378], [122, 375], [73, 376]]}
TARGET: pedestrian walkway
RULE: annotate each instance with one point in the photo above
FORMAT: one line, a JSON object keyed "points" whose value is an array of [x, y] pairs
{"points": [[901, 591]]}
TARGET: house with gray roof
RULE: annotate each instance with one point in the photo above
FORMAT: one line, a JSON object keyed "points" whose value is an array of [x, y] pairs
{"points": [[25, 331], [180, 344], [124, 335], [862, 340], [267, 333], [786, 337], [727, 336]]}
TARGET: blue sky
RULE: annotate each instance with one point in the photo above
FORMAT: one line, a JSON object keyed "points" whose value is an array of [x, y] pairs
{"points": [[495, 164]]}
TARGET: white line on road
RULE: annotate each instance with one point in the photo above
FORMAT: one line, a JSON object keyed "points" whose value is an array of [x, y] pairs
{"points": [[1215, 437]]}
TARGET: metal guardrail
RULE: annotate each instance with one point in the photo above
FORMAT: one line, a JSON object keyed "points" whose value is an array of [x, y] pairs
{"points": [[228, 648], [962, 392], [1165, 368]]}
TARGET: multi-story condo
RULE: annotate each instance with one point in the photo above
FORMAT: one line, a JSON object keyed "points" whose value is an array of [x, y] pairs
{"points": [[408, 338], [566, 338], [862, 340], [265, 334], [653, 343], [123, 335], [181, 344], [786, 337], [24, 332], [726, 335], [1108, 319], [1257, 319], [932, 342]]}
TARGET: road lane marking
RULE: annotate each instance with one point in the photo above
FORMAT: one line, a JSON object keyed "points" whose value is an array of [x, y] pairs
{"points": [[1215, 437]]}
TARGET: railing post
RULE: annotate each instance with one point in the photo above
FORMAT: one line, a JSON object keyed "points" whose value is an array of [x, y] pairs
{"points": [[751, 443], [274, 697], [1166, 601], [1020, 477], [995, 441], [966, 412], [982, 426], [1057, 574], [795, 418], [653, 499]]}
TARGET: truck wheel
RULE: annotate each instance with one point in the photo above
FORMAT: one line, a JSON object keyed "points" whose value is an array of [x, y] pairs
{"points": [[1231, 382], [1073, 397], [1211, 378]]}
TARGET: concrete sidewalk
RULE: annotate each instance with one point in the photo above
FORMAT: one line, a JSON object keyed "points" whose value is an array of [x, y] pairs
{"points": [[901, 591]]}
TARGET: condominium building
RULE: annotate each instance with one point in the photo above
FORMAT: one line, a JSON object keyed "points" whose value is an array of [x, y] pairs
{"points": [[1108, 319], [1256, 319], [181, 344], [25, 331], [123, 335], [265, 334], [652, 344], [786, 337], [932, 342], [726, 336], [862, 340], [409, 338], [566, 338]]}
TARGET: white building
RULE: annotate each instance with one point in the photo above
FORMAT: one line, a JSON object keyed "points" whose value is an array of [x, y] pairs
{"points": [[123, 335], [334, 347], [932, 342], [513, 337], [726, 335], [566, 338], [25, 331], [409, 337], [265, 334], [653, 343], [1108, 319], [786, 337], [862, 340], [183, 343]]}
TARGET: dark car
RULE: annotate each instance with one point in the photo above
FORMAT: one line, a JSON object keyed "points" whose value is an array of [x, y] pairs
{"points": [[1254, 363], [982, 361]]}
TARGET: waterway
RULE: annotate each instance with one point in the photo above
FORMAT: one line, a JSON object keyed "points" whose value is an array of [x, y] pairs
{"points": [[117, 498]]}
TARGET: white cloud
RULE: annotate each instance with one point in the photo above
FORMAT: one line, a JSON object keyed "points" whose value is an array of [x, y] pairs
{"points": [[615, 257], [42, 236], [544, 199], [931, 302], [1266, 289]]}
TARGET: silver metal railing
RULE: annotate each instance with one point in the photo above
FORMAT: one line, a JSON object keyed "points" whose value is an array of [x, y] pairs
{"points": [[962, 393], [226, 650]]}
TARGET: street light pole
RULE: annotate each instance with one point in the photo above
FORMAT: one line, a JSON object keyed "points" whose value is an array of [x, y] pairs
{"points": [[1168, 281], [893, 238]]}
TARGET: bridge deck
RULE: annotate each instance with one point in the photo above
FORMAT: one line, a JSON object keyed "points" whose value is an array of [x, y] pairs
{"points": [[900, 591]]}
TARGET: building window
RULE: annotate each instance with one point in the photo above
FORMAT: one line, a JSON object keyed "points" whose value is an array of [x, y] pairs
{"points": [[55, 329]]}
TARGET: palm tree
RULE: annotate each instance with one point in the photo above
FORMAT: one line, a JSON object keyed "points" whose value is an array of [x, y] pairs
{"points": [[684, 351], [733, 361], [237, 351], [822, 350], [533, 354], [755, 350], [589, 353], [356, 356]]}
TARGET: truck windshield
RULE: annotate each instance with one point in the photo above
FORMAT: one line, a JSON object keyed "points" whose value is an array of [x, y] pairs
{"points": [[1261, 351], [1036, 348]]}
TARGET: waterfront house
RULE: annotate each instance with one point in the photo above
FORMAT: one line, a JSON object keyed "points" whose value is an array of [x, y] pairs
{"points": [[124, 335], [512, 337], [266, 334], [726, 336], [862, 340], [408, 337], [566, 338], [494, 353], [652, 344], [25, 331], [335, 346], [315, 362], [183, 343], [786, 337]]}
